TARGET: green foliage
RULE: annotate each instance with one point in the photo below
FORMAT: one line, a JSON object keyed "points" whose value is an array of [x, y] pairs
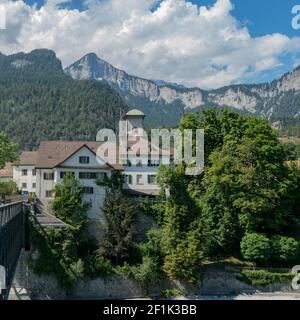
{"points": [[285, 249], [247, 195], [262, 278], [153, 246], [171, 293], [39, 102], [184, 261], [154, 209], [8, 150], [68, 253], [98, 266], [119, 213], [259, 248], [115, 182], [248, 187], [256, 247], [7, 188], [291, 150], [57, 254], [147, 273], [68, 204]]}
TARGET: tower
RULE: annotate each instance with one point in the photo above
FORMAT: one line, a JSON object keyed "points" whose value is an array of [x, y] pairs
{"points": [[135, 122]]}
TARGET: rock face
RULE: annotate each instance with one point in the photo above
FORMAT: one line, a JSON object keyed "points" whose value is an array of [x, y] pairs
{"points": [[166, 102]]}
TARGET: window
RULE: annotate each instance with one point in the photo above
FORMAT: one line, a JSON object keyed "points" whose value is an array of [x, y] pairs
{"points": [[33, 172], [88, 175], [24, 185], [153, 163], [139, 164], [48, 194], [33, 185], [24, 172], [84, 160], [139, 179], [128, 164], [128, 179], [88, 190], [102, 176], [151, 179], [49, 176], [63, 173]]}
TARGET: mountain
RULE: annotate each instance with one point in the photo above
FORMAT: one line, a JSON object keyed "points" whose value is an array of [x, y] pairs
{"points": [[164, 103], [38, 101]]}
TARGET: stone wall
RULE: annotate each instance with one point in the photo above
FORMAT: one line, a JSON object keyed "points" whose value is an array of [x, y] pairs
{"points": [[116, 287]]}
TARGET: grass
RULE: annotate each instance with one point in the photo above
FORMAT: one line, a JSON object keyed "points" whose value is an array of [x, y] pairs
{"points": [[228, 262]]}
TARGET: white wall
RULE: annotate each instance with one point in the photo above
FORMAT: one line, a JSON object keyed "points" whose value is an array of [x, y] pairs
{"points": [[30, 179], [95, 165], [43, 185]]}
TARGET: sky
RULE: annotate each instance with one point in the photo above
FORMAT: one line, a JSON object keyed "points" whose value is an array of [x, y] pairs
{"points": [[197, 43]]}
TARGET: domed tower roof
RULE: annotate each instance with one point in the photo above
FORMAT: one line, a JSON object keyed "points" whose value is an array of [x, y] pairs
{"points": [[135, 113]]}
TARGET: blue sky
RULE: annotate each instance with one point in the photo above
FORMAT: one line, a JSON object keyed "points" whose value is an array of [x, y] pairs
{"points": [[261, 18]]}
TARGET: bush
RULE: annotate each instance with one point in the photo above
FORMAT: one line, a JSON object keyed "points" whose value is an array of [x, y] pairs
{"points": [[146, 274], [262, 278], [153, 246], [98, 266], [170, 293], [155, 210], [256, 247], [285, 249]]}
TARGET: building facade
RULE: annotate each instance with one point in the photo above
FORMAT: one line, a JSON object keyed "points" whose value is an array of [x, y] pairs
{"points": [[38, 172]]}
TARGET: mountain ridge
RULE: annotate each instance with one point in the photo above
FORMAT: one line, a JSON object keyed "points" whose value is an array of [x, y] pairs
{"points": [[38, 101], [158, 96]]}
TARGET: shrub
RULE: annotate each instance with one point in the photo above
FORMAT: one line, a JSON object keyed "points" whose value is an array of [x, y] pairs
{"points": [[285, 249], [170, 293], [262, 278], [153, 246], [98, 266], [146, 274], [256, 247]]}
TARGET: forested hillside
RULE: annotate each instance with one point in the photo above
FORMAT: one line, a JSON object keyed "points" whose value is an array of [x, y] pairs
{"points": [[38, 101]]}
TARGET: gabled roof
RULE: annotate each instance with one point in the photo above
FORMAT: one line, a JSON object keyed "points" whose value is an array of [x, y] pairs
{"points": [[53, 153]]}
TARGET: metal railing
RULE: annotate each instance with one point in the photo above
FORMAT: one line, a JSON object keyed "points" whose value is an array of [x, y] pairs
{"points": [[12, 235]]}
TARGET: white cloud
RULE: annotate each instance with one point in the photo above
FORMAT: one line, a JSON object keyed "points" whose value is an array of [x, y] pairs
{"points": [[177, 42]]}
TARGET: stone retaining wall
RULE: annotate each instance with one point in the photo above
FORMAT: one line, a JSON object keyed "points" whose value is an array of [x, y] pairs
{"points": [[117, 287]]}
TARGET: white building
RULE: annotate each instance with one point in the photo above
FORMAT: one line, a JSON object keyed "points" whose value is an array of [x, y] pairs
{"points": [[24, 172], [38, 172]]}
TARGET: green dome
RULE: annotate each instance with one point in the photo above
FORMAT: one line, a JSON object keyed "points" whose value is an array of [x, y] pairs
{"points": [[135, 113]]}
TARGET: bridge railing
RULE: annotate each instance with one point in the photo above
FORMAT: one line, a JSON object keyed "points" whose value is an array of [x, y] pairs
{"points": [[9, 211], [12, 230]]}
